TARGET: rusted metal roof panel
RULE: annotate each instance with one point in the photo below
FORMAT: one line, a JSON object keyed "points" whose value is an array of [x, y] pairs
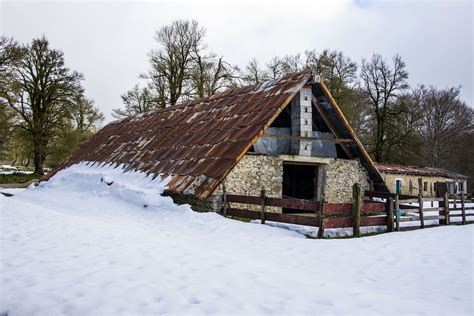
{"points": [[420, 171], [196, 142]]}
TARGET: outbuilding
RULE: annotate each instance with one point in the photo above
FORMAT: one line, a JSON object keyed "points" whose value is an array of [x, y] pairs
{"points": [[433, 182]]}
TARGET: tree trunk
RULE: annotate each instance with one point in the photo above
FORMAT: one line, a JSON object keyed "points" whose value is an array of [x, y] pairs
{"points": [[38, 155]]}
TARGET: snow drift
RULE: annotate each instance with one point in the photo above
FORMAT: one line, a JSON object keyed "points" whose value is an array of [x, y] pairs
{"points": [[94, 240]]}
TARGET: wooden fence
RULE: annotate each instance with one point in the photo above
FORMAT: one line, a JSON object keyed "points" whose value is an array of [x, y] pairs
{"points": [[378, 209], [313, 213]]}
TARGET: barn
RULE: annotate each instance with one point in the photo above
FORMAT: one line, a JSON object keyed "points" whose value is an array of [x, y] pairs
{"points": [[287, 136]]}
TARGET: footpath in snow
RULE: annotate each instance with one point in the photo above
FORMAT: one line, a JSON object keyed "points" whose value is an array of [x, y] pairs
{"points": [[96, 241]]}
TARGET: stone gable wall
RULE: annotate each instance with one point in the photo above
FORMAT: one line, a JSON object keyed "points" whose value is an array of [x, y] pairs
{"points": [[340, 176]]}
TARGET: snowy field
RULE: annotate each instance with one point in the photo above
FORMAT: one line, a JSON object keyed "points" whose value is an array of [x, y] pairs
{"points": [[94, 241]]}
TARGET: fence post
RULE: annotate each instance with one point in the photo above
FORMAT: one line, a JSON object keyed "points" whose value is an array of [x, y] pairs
{"points": [[224, 201], [389, 208], [262, 202], [321, 218], [446, 208], [397, 213], [356, 208], [420, 202], [463, 209]]}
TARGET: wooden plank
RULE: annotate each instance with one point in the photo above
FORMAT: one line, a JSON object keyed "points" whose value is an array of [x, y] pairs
{"points": [[262, 205], [321, 218], [298, 204], [275, 217], [390, 222], [397, 215], [373, 208], [446, 209], [408, 207], [224, 201], [434, 209], [409, 201], [332, 209], [243, 199], [345, 222], [345, 209], [431, 217], [334, 140], [243, 213], [356, 208], [432, 199]]}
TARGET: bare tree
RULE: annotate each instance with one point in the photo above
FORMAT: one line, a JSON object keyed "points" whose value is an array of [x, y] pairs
{"points": [[445, 120], [382, 84], [172, 61], [275, 68], [210, 75], [404, 144], [253, 73], [137, 101], [42, 88]]}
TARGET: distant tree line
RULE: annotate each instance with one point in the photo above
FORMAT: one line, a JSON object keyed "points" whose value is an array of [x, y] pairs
{"points": [[44, 114], [398, 124]]}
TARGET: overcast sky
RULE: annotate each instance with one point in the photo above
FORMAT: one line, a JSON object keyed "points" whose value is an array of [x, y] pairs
{"points": [[108, 41]]}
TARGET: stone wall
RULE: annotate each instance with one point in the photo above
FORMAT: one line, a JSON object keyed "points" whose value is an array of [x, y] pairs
{"points": [[340, 176], [254, 171], [250, 174]]}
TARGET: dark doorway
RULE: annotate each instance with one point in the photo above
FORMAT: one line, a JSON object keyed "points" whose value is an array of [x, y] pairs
{"points": [[299, 182]]}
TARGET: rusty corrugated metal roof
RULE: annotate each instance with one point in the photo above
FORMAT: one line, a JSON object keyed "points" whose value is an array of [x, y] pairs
{"points": [[419, 171], [196, 142]]}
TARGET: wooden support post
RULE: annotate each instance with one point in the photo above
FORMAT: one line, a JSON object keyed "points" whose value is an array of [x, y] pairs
{"points": [[463, 208], [356, 208], [389, 208], [446, 208], [262, 212], [224, 201], [420, 202], [321, 218], [397, 213]]}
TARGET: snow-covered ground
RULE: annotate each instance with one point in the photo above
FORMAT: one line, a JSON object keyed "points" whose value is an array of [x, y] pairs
{"points": [[95, 241]]}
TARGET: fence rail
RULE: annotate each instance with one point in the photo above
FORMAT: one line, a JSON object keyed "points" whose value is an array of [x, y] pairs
{"points": [[396, 212]]}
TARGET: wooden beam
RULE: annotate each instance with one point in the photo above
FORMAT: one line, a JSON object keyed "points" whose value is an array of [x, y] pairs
{"points": [[335, 140], [331, 126]]}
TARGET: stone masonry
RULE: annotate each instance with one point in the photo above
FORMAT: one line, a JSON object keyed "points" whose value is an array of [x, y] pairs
{"points": [[341, 175]]}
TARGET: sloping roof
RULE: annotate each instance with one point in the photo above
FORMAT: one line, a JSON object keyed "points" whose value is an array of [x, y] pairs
{"points": [[419, 171], [196, 142]]}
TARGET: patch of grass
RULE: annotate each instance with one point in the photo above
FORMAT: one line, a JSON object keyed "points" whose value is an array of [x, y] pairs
{"points": [[242, 219], [17, 178]]}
